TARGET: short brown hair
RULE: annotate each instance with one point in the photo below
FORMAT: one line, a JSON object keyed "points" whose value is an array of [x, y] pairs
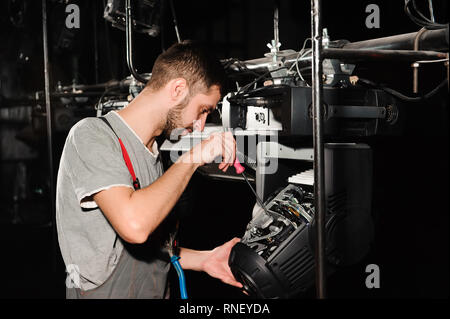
{"points": [[191, 61]]}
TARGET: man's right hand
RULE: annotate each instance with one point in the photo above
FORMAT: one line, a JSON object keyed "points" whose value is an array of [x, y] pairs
{"points": [[218, 144]]}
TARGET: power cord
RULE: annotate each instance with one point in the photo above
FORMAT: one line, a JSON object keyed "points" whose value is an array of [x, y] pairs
{"points": [[400, 95]]}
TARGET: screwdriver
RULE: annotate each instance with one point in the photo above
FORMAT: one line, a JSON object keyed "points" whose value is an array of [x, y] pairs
{"points": [[240, 170]]}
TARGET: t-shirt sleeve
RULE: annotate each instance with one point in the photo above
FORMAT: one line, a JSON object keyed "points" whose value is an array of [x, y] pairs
{"points": [[94, 161]]}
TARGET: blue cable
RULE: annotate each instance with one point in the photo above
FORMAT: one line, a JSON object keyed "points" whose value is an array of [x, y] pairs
{"points": [[176, 264]]}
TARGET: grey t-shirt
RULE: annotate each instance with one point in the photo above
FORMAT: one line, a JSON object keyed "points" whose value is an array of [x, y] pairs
{"points": [[92, 161]]}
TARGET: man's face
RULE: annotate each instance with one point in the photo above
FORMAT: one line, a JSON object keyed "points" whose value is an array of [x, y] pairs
{"points": [[191, 114]]}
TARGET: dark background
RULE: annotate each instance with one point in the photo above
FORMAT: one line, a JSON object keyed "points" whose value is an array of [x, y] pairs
{"points": [[410, 198]]}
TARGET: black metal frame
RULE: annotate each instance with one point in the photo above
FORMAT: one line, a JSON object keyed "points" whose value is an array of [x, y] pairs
{"points": [[49, 117], [129, 40], [364, 50], [319, 167]]}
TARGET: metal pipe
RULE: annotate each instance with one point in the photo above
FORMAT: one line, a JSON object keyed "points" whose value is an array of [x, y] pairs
{"points": [[353, 55], [263, 64], [415, 65], [430, 7], [448, 82], [319, 167], [275, 25], [49, 129], [175, 22], [434, 40], [82, 94], [129, 40], [98, 86], [393, 47]]}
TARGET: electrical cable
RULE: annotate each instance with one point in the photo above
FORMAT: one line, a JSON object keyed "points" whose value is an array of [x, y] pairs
{"points": [[416, 20], [174, 260], [298, 70], [419, 18], [101, 97], [99, 102], [245, 87], [400, 95], [300, 55], [241, 66], [419, 13]]}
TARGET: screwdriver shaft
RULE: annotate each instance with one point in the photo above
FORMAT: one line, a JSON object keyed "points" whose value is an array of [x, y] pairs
{"points": [[260, 202], [240, 170]]}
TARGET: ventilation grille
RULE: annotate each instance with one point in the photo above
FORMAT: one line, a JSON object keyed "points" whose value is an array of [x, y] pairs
{"points": [[297, 266], [337, 202]]}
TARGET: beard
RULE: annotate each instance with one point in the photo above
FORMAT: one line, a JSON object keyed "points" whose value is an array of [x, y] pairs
{"points": [[173, 128]]}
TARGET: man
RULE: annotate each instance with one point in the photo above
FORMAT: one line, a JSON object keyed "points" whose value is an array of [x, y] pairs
{"points": [[111, 234]]}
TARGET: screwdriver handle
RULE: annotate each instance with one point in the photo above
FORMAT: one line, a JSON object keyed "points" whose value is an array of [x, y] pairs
{"points": [[239, 168]]}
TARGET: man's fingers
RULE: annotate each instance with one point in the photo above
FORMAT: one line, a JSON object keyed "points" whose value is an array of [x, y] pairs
{"points": [[229, 147], [223, 143], [232, 146], [232, 282], [218, 144], [229, 153], [234, 241]]}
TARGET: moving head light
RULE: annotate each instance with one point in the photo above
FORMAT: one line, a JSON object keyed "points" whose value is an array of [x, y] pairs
{"points": [[275, 258]]}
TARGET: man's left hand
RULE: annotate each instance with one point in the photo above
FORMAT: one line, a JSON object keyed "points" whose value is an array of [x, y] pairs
{"points": [[216, 263]]}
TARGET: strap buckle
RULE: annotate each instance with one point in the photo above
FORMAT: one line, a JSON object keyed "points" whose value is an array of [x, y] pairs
{"points": [[136, 184]]}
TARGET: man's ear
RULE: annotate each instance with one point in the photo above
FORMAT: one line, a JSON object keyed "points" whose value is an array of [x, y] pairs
{"points": [[178, 89]]}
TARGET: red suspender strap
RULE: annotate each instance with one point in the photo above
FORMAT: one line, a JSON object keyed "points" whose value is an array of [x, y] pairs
{"points": [[126, 158], [129, 165]]}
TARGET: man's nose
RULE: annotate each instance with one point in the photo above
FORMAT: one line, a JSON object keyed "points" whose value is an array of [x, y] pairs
{"points": [[199, 124]]}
